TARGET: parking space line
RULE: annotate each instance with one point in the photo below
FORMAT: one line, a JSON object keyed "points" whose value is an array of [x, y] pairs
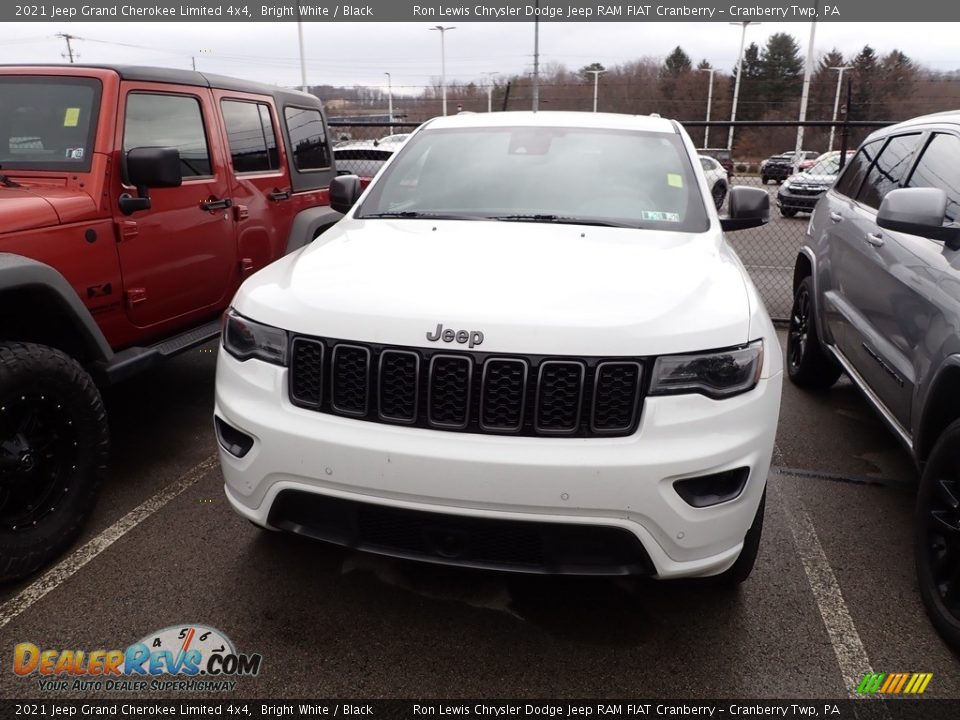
{"points": [[66, 568], [908, 486], [847, 646]]}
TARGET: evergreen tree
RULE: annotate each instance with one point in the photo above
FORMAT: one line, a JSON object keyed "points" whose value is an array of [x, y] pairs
{"points": [[781, 68], [677, 62], [866, 71]]}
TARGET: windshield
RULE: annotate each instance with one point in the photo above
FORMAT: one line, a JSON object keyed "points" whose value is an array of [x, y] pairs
{"points": [[543, 174], [47, 123], [827, 166]]}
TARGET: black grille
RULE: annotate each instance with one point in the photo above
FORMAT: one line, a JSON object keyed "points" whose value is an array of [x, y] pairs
{"points": [[615, 396], [350, 383], [478, 392]]}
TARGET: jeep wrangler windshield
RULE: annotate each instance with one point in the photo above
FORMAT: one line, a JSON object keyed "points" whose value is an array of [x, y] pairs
{"points": [[48, 123]]}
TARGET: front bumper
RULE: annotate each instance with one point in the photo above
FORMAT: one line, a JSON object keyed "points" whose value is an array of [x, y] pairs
{"points": [[794, 201], [623, 483]]}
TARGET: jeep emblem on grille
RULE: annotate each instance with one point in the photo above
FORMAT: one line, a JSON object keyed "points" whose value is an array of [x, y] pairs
{"points": [[473, 337]]}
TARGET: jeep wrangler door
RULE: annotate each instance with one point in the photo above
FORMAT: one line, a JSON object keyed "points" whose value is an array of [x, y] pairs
{"points": [[178, 257]]}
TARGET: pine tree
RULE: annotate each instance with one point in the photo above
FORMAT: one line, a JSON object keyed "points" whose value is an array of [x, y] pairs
{"points": [[781, 70], [677, 62]]}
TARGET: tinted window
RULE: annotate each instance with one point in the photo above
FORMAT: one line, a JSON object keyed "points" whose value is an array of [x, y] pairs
{"points": [[939, 167], [706, 164], [889, 170], [47, 123], [308, 139], [168, 121], [253, 143], [856, 169], [648, 178]]}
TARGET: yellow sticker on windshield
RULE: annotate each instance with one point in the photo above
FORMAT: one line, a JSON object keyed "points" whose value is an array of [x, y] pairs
{"points": [[71, 117], [674, 180]]}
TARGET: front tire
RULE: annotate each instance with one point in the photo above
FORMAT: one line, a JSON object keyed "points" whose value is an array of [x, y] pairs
{"points": [[808, 363], [719, 194], [937, 542], [53, 454], [787, 212]]}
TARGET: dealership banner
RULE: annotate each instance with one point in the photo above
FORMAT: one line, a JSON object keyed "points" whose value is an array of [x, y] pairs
{"points": [[189, 707], [492, 11]]}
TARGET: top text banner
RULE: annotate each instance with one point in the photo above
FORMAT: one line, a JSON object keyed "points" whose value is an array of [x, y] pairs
{"points": [[496, 11]]}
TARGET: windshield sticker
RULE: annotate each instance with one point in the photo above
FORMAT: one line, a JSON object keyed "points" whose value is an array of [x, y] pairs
{"points": [[657, 216], [674, 180], [74, 154], [71, 117]]}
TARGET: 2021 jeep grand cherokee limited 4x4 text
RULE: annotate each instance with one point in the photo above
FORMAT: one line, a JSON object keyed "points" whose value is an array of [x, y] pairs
{"points": [[877, 294], [133, 202], [526, 347]]}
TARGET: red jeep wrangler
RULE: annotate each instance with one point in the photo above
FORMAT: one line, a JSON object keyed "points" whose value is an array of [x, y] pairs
{"points": [[133, 203]]}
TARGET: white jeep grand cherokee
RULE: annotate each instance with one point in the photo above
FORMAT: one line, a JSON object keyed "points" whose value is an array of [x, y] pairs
{"points": [[526, 347]]}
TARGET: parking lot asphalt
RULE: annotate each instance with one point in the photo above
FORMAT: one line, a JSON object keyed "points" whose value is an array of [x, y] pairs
{"points": [[833, 594]]}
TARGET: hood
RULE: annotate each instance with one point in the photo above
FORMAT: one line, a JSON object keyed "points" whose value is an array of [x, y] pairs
{"points": [[40, 205], [529, 288], [810, 179]]}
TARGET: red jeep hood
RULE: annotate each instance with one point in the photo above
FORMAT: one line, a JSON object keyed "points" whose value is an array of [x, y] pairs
{"points": [[36, 206]]}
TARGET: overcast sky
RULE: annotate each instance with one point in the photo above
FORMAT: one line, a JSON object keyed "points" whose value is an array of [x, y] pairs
{"points": [[360, 53]]}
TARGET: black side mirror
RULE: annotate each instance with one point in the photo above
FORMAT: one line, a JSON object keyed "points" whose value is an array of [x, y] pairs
{"points": [[918, 211], [344, 191], [145, 168], [749, 208]]}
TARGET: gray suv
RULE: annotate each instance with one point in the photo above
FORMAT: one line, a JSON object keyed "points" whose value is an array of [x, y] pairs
{"points": [[877, 295]]}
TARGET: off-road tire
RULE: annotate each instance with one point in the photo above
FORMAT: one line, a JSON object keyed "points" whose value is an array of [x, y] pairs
{"points": [[787, 212], [54, 442], [809, 364]]}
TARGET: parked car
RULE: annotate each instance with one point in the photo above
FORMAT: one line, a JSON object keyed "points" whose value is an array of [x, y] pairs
{"points": [[133, 202], [513, 353], [722, 156], [717, 179], [877, 295], [800, 192], [363, 157], [780, 167]]}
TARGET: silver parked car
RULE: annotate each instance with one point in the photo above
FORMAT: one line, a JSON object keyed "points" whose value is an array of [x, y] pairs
{"points": [[877, 295]]}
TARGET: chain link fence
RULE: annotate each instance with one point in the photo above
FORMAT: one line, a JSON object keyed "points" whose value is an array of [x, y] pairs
{"points": [[768, 252]]}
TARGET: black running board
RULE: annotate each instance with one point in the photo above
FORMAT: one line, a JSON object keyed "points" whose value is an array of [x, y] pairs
{"points": [[136, 359]]}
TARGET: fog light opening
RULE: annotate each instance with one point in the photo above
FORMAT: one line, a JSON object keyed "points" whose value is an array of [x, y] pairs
{"points": [[234, 441], [707, 490]]}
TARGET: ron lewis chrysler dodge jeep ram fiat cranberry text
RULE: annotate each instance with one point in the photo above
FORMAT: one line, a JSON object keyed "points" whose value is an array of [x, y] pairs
{"points": [[526, 347]]}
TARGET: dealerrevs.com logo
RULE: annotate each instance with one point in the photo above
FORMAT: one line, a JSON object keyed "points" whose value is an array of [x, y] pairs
{"points": [[184, 658]]}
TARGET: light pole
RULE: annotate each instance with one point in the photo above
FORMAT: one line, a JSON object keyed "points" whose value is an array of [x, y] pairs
{"points": [[706, 129], [836, 100], [303, 62], [805, 95], [736, 85], [489, 84], [443, 61], [536, 57], [596, 81], [390, 100]]}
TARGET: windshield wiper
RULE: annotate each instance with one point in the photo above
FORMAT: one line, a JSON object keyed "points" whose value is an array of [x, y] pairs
{"points": [[418, 214], [565, 220], [6, 181]]}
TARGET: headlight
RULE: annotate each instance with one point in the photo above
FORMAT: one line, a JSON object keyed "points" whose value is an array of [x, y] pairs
{"points": [[245, 339], [717, 375]]}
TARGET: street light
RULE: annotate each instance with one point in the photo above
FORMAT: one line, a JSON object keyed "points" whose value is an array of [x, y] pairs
{"points": [[596, 81], [489, 84], [805, 94], [443, 61], [390, 100], [706, 128], [736, 86], [836, 100], [303, 62]]}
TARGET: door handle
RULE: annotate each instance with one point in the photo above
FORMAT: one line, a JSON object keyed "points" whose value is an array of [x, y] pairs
{"points": [[214, 204], [875, 239], [836, 217], [279, 195]]}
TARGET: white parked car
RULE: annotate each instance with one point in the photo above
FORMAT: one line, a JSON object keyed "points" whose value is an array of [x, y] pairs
{"points": [[717, 179], [527, 346]]}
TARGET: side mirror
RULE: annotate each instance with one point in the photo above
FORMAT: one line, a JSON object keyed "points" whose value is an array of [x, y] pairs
{"points": [[749, 208], [145, 168], [918, 211], [344, 191]]}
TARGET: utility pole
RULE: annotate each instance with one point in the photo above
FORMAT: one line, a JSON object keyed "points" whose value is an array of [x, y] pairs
{"points": [[489, 84], [706, 128], [836, 100], [845, 133], [303, 62], [596, 81], [443, 62], [390, 100], [536, 57], [736, 85], [805, 95], [68, 37]]}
